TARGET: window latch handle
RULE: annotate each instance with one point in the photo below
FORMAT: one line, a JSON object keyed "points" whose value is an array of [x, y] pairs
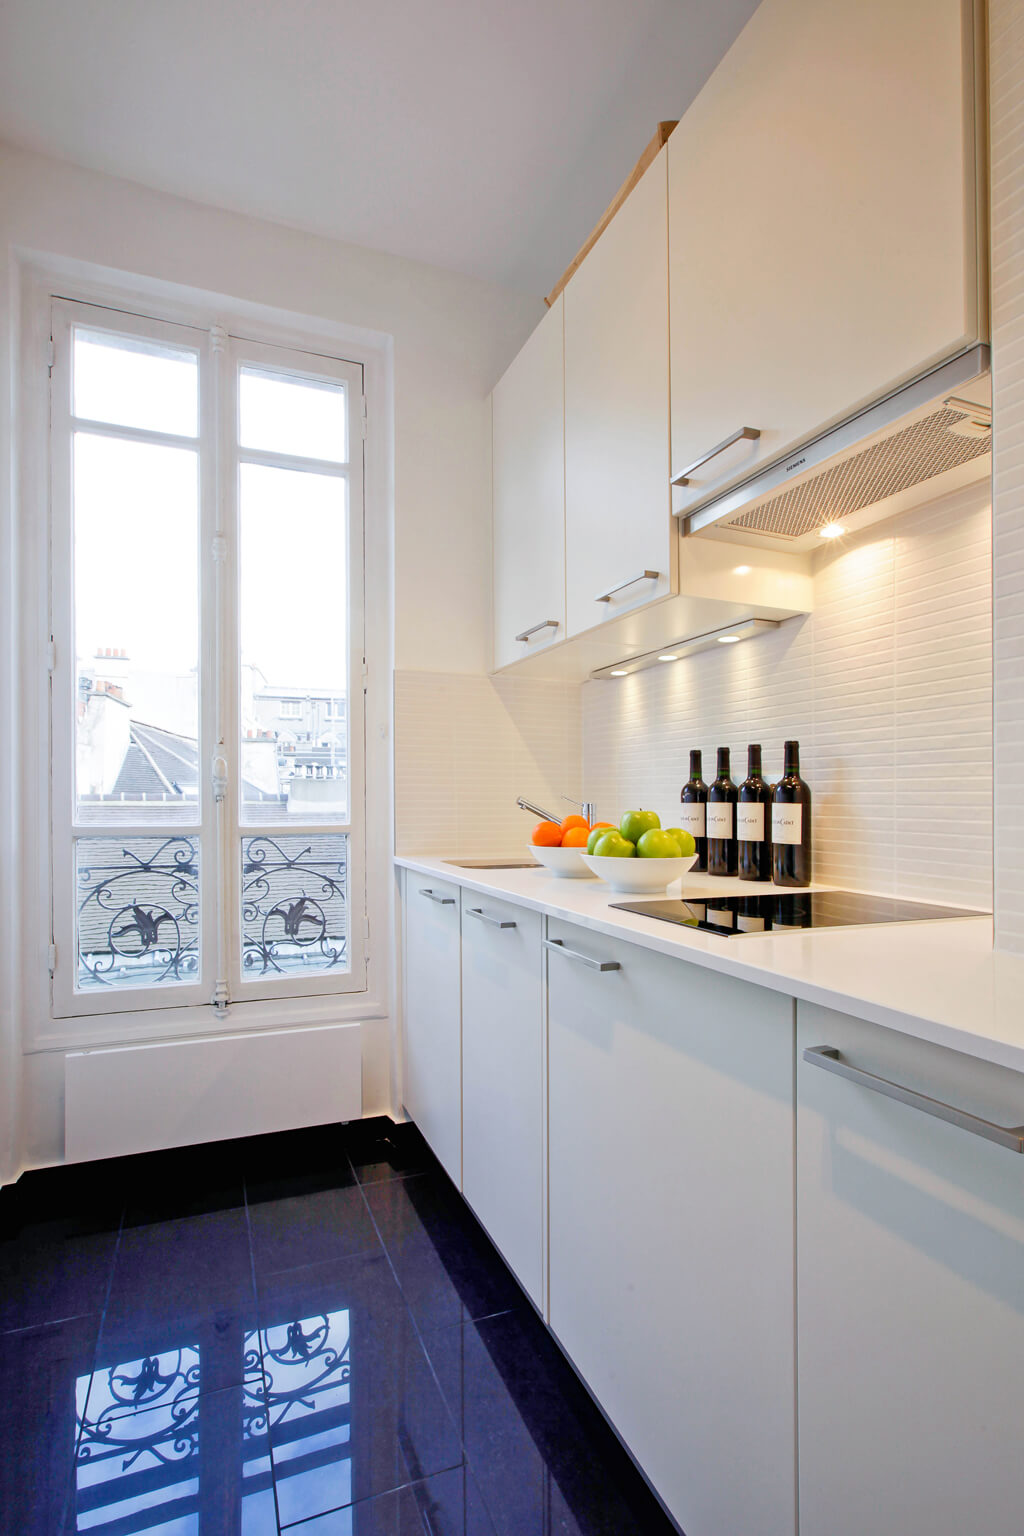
{"points": [[220, 778]]}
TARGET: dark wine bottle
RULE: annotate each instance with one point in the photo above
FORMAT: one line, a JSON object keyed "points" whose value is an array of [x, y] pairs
{"points": [[754, 822], [721, 820], [693, 816], [791, 823]]}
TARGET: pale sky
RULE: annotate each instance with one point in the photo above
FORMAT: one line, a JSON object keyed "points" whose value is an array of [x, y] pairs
{"points": [[136, 523]]}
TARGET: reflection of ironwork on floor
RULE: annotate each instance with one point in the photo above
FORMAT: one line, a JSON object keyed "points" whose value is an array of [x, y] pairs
{"points": [[294, 903], [138, 911]]}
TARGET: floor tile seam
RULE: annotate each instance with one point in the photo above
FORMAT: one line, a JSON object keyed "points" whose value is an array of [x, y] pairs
{"points": [[80, 1425], [382, 1493], [259, 1343], [417, 1330]]}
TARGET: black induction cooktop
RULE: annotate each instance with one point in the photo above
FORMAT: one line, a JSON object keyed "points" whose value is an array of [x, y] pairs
{"points": [[784, 912]]}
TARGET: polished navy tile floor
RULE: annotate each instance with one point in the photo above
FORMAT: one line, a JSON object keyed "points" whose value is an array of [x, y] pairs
{"points": [[305, 1333]]}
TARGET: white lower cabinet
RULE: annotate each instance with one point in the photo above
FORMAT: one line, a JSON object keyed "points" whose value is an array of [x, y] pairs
{"points": [[431, 1013], [503, 1080], [671, 1222], [911, 1292]]}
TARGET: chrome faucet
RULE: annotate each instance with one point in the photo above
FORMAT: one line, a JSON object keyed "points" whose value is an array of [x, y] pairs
{"points": [[588, 810]]}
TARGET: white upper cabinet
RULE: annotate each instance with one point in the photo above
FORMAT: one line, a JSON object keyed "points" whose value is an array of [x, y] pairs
{"points": [[528, 468], [620, 545], [823, 228]]}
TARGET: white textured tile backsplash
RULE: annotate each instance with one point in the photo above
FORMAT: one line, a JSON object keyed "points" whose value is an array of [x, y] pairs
{"points": [[1006, 74], [887, 687], [466, 746]]}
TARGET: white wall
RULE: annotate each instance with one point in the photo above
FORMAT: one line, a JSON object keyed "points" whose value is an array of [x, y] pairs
{"points": [[451, 339], [467, 747], [1006, 29], [887, 687]]}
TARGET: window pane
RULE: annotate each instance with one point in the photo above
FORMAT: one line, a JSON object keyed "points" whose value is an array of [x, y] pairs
{"points": [[294, 905], [281, 414], [137, 920], [294, 627], [135, 383], [136, 585]]}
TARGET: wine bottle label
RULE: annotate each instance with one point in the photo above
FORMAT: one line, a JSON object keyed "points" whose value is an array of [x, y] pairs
{"points": [[750, 822], [692, 819], [787, 823], [719, 822]]}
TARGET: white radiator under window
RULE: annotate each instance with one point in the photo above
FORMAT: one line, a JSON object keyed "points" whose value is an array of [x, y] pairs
{"points": [[127, 1099]]}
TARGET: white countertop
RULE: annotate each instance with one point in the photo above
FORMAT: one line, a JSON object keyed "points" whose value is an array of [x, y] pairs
{"points": [[938, 981]]}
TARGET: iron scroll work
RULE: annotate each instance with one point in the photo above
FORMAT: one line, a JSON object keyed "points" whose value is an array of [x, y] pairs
{"points": [[138, 911], [139, 908], [294, 904]]}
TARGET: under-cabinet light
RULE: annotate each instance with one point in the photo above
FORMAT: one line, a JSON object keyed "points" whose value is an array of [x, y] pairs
{"points": [[687, 646]]}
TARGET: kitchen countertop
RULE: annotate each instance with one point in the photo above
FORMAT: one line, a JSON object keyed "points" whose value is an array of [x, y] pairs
{"points": [[940, 981]]}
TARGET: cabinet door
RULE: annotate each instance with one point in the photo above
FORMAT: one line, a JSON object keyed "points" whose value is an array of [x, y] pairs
{"points": [[822, 223], [432, 1024], [911, 1293], [528, 469], [502, 1080], [617, 501], [671, 1222]]}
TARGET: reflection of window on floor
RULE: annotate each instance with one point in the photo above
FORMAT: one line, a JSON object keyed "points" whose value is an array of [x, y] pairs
{"points": [[156, 1454]]}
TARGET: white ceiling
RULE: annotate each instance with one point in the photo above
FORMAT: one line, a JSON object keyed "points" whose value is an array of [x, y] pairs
{"points": [[481, 135]]}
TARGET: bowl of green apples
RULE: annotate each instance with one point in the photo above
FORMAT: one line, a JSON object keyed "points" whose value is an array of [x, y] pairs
{"points": [[639, 857]]}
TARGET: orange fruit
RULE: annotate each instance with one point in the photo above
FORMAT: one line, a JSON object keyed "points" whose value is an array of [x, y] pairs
{"points": [[574, 821], [602, 824], [576, 837], [547, 834]]}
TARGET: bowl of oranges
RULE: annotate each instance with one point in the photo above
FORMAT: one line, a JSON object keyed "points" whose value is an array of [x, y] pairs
{"points": [[560, 846]]}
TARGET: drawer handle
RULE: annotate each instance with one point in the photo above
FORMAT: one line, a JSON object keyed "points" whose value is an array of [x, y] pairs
{"points": [[442, 901], [595, 965], [485, 917], [1010, 1136], [547, 624], [750, 433], [606, 597]]}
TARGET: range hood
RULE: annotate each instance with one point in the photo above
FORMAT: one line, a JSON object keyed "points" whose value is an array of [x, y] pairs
{"points": [[929, 437]]}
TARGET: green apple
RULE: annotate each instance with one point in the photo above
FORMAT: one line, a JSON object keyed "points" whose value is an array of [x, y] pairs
{"points": [[687, 846], [635, 823], [657, 844], [596, 836], [614, 846]]}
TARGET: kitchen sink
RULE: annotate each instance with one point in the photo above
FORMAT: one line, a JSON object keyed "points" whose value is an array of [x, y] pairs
{"points": [[493, 863]]}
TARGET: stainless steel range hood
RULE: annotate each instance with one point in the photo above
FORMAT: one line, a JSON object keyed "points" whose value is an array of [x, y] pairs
{"points": [[929, 437]]}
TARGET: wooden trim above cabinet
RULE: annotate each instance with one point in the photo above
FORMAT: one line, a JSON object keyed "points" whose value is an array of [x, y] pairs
{"points": [[657, 143]]}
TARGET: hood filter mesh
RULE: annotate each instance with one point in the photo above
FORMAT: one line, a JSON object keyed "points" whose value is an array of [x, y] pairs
{"points": [[917, 453]]}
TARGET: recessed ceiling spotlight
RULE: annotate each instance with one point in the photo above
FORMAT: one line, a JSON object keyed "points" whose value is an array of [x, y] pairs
{"points": [[741, 570], [830, 531], [728, 639], [619, 672], [670, 657]]}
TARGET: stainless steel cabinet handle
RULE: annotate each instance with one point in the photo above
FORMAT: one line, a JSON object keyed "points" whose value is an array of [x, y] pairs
{"points": [[1010, 1136], [595, 965], [547, 624], [485, 917], [750, 433], [606, 597], [442, 901]]}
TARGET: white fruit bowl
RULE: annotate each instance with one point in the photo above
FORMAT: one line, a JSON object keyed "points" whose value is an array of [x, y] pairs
{"points": [[636, 876], [566, 863]]}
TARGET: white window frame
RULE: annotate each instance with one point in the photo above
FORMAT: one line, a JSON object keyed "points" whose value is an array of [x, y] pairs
{"points": [[40, 280]]}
